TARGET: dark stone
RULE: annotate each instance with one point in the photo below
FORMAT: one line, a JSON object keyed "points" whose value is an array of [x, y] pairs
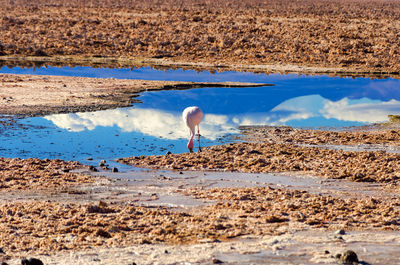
{"points": [[217, 261], [168, 153], [4, 263], [340, 232], [31, 261], [103, 233], [133, 263], [115, 170], [348, 257], [1, 250], [93, 168], [102, 163]]}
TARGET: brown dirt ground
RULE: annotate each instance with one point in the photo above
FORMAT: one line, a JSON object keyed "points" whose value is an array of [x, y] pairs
{"points": [[334, 36], [21, 174], [44, 226]]}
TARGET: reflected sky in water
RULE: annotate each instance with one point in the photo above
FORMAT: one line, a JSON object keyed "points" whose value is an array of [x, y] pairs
{"points": [[155, 126]]}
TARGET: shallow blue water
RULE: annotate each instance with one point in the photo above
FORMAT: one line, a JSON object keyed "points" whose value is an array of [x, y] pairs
{"points": [[155, 126]]}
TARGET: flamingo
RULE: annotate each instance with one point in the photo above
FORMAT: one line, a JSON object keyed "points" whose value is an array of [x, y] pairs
{"points": [[192, 117]]}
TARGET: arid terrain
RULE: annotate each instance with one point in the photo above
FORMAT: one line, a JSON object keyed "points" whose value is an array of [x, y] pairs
{"points": [[64, 212], [350, 36]]}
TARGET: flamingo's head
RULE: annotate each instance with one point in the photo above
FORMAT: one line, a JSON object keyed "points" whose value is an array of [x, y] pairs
{"points": [[190, 145]]}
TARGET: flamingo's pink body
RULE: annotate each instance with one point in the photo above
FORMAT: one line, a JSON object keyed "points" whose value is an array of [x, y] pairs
{"points": [[192, 116]]}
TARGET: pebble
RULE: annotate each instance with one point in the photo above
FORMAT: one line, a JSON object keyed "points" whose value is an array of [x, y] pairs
{"points": [[340, 232], [348, 257], [114, 170], [93, 168], [102, 163], [31, 261], [217, 261]]}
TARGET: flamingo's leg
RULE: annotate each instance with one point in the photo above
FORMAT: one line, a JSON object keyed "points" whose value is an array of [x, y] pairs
{"points": [[198, 133]]}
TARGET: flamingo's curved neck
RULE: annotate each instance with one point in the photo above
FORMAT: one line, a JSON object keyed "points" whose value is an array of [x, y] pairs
{"points": [[190, 144]]}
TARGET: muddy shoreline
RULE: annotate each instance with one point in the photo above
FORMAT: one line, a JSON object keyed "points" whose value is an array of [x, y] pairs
{"points": [[107, 62]]}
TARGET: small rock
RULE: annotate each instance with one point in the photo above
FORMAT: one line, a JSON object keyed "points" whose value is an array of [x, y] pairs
{"points": [[89, 158], [168, 153], [102, 163], [1, 250], [4, 263], [340, 232], [348, 257], [114, 170], [93, 168], [31, 261], [217, 261], [255, 152], [133, 263], [102, 233]]}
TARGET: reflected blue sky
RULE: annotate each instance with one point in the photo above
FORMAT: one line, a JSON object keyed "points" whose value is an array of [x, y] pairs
{"points": [[155, 126]]}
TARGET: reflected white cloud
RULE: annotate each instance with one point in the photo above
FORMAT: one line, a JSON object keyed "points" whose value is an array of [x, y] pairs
{"points": [[314, 106], [364, 110], [147, 121], [169, 125]]}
